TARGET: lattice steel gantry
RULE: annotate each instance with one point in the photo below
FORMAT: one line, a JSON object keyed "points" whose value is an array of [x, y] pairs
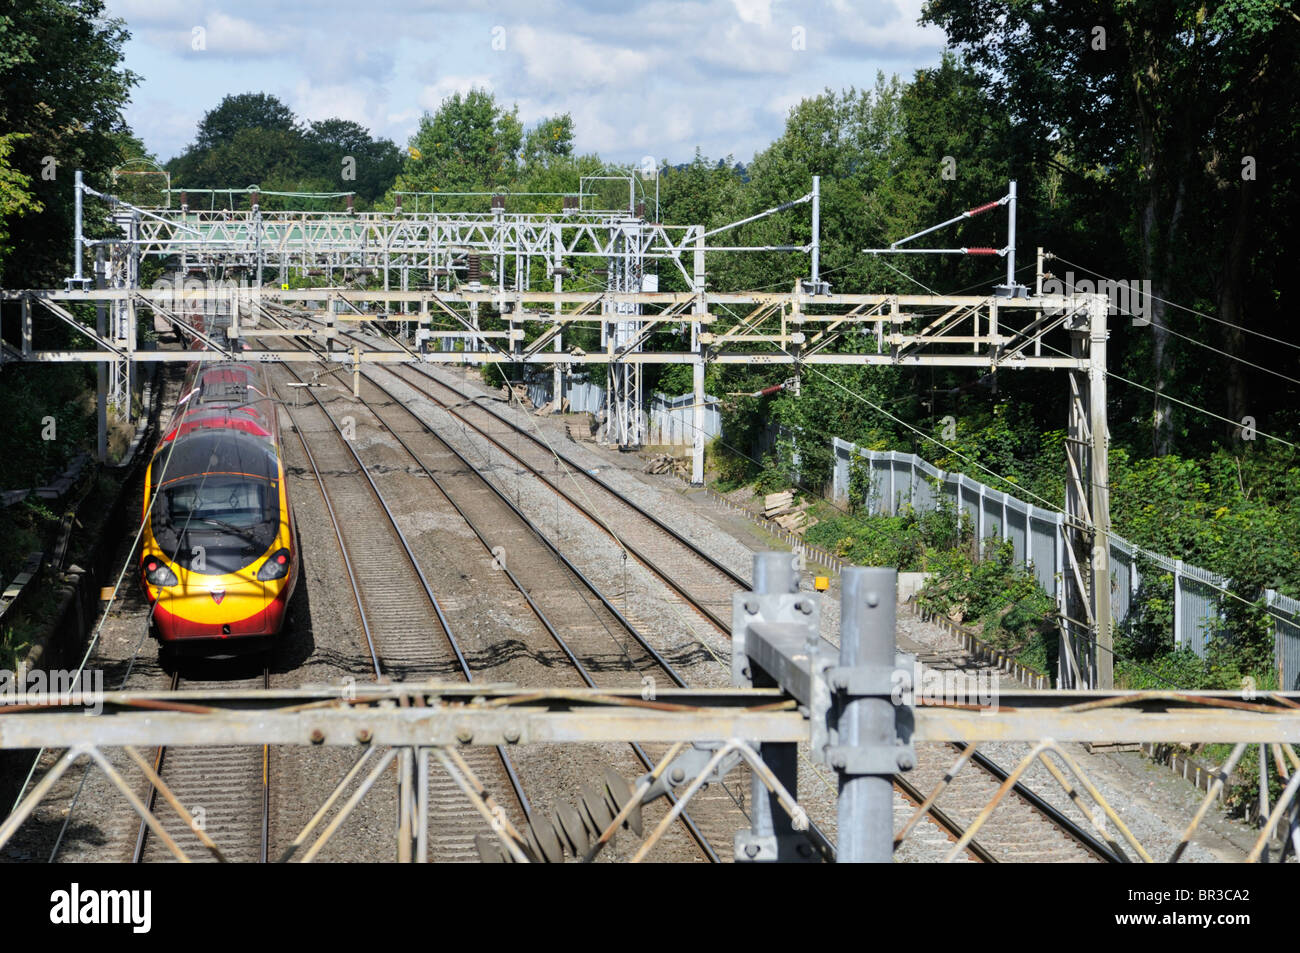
{"points": [[440, 261]]}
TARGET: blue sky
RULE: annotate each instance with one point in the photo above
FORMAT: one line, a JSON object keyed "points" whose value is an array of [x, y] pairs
{"points": [[641, 78]]}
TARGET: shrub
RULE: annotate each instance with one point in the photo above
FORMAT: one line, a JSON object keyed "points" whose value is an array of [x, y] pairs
{"points": [[1002, 597]]}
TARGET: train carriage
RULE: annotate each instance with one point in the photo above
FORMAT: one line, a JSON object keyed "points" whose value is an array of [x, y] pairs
{"points": [[220, 559]]}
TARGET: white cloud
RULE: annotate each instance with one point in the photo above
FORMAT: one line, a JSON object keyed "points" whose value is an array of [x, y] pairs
{"points": [[341, 101], [432, 95], [782, 103], [741, 49], [238, 37], [566, 62], [758, 12], [163, 127], [652, 77], [886, 26], [175, 13]]}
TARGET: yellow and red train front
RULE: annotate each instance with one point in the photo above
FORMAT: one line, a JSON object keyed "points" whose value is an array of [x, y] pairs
{"points": [[202, 605], [219, 556]]}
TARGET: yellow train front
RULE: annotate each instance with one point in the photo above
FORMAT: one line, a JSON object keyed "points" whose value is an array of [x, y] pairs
{"points": [[219, 557]]}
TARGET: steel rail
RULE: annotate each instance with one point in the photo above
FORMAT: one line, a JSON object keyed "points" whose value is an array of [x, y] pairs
{"points": [[375, 660], [1058, 818], [696, 834], [506, 760], [151, 800], [692, 828], [1061, 821], [574, 468], [820, 839], [943, 820]]}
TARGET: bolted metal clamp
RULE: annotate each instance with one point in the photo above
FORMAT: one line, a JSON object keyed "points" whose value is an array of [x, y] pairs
{"points": [[835, 686], [773, 628], [686, 767]]}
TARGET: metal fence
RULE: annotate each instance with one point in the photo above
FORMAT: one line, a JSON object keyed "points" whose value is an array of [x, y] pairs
{"points": [[584, 396], [1037, 534], [670, 421]]}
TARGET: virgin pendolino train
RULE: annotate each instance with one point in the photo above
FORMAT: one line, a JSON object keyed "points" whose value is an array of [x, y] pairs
{"points": [[220, 555]]}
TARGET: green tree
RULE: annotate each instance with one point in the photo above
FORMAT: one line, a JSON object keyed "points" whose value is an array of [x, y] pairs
{"points": [[846, 139], [246, 139], [374, 162], [255, 139], [471, 144], [950, 151], [243, 111], [549, 140], [16, 198], [701, 192], [61, 110], [1172, 101]]}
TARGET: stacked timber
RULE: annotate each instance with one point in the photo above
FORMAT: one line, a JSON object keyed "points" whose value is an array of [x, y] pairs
{"points": [[516, 393], [781, 509], [552, 407], [666, 463]]}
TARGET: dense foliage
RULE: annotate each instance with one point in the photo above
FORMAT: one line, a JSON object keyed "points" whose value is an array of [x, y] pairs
{"points": [[58, 113], [1001, 599], [255, 139], [911, 541]]}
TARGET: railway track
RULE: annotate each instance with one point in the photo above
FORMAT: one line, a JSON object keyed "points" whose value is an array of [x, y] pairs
{"points": [[1019, 836], [227, 791], [658, 545], [703, 582], [406, 631], [596, 639], [401, 619]]}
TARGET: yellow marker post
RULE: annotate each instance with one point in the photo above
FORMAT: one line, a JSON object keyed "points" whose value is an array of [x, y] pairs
{"points": [[821, 583]]}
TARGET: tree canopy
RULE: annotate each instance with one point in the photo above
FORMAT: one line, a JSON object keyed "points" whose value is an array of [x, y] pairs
{"points": [[58, 113], [1183, 116], [255, 139]]}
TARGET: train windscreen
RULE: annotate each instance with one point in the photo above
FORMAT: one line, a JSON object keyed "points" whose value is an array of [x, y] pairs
{"points": [[216, 501]]}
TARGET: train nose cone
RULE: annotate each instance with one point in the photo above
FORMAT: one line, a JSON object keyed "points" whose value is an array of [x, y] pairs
{"points": [[217, 595]]}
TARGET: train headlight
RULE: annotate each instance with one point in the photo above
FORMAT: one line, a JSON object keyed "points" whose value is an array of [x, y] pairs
{"points": [[275, 567], [158, 573]]}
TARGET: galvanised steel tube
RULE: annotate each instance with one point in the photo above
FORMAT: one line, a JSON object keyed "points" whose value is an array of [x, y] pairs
{"points": [[773, 575], [77, 233], [867, 618]]}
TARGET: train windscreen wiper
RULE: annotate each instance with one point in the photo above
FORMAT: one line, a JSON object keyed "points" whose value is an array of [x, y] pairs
{"points": [[241, 533]]}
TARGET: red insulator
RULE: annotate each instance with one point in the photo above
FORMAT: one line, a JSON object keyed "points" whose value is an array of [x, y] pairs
{"points": [[981, 251], [983, 208]]}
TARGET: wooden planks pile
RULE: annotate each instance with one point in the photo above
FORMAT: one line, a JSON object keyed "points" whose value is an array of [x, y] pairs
{"points": [[551, 407], [511, 393], [666, 463], [781, 509]]}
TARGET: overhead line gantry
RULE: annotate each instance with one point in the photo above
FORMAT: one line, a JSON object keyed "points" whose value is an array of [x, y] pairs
{"points": [[440, 270]]}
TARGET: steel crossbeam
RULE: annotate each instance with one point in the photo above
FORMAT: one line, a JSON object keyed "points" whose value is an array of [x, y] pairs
{"points": [[491, 714]]}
